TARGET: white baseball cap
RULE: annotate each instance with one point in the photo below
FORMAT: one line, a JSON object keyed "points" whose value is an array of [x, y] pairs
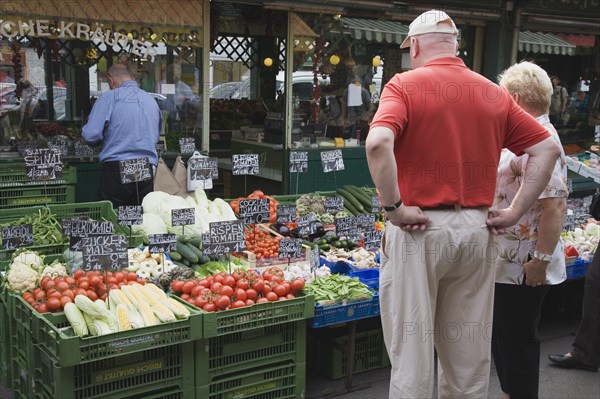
{"points": [[432, 21]]}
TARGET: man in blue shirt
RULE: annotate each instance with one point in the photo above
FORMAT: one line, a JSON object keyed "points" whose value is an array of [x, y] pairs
{"points": [[126, 121]]}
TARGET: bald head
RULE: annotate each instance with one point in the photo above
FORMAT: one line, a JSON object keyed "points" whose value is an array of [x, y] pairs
{"points": [[119, 74], [426, 47]]}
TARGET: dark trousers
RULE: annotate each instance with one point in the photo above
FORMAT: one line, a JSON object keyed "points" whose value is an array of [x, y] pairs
{"points": [[586, 346], [515, 340], [111, 189]]}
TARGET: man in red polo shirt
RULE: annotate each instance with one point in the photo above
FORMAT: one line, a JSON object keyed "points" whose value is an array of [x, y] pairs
{"points": [[433, 151]]}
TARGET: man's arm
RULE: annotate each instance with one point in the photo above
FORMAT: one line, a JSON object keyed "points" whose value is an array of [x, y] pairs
{"points": [[542, 157], [563, 100], [93, 131]]}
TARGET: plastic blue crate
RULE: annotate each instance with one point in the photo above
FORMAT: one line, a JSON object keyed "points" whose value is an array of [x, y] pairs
{"points": [[368, 277], [338, 267], [336, 314], [577, 269]]}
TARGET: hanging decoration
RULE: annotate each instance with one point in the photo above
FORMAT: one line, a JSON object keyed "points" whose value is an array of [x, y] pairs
{"points": [[268, 62], [16, 59], [316, 88]]}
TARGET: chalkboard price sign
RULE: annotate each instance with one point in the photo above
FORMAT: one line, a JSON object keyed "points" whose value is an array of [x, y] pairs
{"points": [[376, 204], [244, 164], [372, 239], [81, 229], [314, 259], [183, 216], [290, 248], [307, 224], [83, 150], [365, 222], [345, 227], [334, 204], [255, 211], [332, 161], [104, 252], [130, 215], [43, 164], [225, 237], [160, 148], [203, 168], [187, 145], [298, 161], [133, 170], [17, 236], [286, 213], [62, 148], [161, 243], [65, 224]]}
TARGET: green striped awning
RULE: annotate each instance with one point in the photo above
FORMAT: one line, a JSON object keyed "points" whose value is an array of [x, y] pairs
{"points": [[373, 30], [544, 43]]}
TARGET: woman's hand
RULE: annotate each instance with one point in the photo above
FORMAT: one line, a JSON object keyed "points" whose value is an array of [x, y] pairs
{"points": [[535, 272]]}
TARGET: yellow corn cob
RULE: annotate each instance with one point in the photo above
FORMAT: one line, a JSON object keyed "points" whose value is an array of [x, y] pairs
{"points": [[86, 305], [146, 313], [162, 312], [134, 317], [180, 311], [116, 297], [130, 294], [152, 287], [89, 322], [123, 318]]}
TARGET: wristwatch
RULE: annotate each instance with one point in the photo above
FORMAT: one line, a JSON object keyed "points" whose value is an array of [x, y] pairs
{"points": [[543, 257], [393, 207]]}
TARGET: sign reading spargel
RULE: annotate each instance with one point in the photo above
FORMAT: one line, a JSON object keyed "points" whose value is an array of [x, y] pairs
{"points": [[135, 170], [160, 243], [183, 216], [17, 236], [298, 161], [224, 237], [129, 215], [203, 168], [244, 164], [332, 161], [43, 164], [290, 248], [104, 252], [253, 211]]}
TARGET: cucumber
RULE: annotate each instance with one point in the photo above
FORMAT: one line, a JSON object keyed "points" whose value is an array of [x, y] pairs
{"points": [[183, 239], [196, 242], [352, 201], [186, 262], [187, 253], [359, 195], [175, 256], [194, 249], [180, 264]]}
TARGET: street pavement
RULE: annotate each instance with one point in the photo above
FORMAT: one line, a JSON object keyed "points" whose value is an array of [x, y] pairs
{"points": [[560, 319]]}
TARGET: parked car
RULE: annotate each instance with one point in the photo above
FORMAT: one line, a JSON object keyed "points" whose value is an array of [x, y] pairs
{"points": [[225, 90]]}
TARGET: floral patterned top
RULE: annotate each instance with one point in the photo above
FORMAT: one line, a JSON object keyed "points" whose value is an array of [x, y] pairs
{"points": [[518, 244]]}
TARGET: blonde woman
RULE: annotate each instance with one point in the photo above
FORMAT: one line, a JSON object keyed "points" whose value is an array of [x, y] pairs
{"points": [[530, 253]]}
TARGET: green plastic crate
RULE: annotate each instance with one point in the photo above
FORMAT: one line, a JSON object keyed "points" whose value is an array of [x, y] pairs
{"points": [[160, 372], [369, 353], [99, 210], [258, 315], [246, 350], [13, 174], [5, 345], [65, 348], [23, 195], [274, 381]]}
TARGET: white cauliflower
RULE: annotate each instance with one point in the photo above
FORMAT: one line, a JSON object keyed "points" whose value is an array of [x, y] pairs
{"points": [[54, 270], [30, 258], [21, 277]]}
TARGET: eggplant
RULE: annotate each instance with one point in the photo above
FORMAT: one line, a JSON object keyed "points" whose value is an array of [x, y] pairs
{"points": [[284, 230]]}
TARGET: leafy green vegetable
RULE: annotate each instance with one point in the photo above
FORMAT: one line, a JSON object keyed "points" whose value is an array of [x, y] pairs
{"points": [[338, 287]]}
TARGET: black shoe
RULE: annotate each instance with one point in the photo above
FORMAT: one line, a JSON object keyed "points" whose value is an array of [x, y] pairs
{"points": [[570, 362]]}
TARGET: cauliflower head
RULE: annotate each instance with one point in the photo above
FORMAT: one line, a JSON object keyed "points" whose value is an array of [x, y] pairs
{"points": [[21, 277]]}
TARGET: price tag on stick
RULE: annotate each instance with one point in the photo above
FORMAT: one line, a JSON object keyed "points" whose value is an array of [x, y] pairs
{"points": [[244, 164], [372, 239], [334, 204], [286, 213], [332, 161], [225, 237], [290, 248], [183, 216], [376, 204], [104, 252], [345, 227], [135, 170], [17, 236], [187, 145], [130, 215], [255, 211], [203, 168], [161, 243], [81, 229], [298, 161], [43, 164], [315, 261]]}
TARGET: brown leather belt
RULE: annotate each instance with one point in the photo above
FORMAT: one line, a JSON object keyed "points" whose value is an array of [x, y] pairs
{"points": [[449, 207]]}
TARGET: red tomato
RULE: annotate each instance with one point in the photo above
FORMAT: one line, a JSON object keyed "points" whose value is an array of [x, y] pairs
{"points": [[240, 294], [36, 290], [141, 281], [64, 300], [49, 284], [95, 281], [216, 287], [238, 304], [271, 296], [54, 294], [266, 275], [62, 286], [249, 302], [282, 298], [177, 286], [275, 271], [242, 283], [251, 294], [267, 288], [103, 297], [41, 294], [42, 308], [297, 285], [188, 286], [53, 304], [92, 295], [200, 302], [69, 294], [85, 284], [44, 281], [229, 280], [81, 291], [112, 280], [196, 291], [120, 276], [185, 297], [218, 278], [238, 274], [209, 307], [131, 276], [30, 300], [204, 283], [287, 286], [27, 295], [279, 290], [70, 280], [226, 290], [259, 285], [290, 296], [78, 273], [222, 302]]}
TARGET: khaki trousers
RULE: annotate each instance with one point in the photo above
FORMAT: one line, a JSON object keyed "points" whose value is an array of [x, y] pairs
{"points": [[437, 290]]}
